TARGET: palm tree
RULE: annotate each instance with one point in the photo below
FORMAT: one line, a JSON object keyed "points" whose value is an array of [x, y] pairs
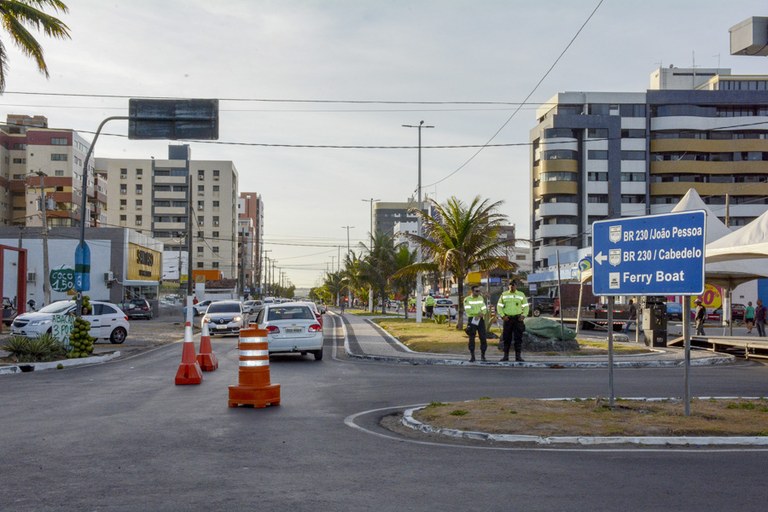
{"points": [[459, 237], [379, 265], [353, 272], [334, 282], [16, 16], [403, 284]]}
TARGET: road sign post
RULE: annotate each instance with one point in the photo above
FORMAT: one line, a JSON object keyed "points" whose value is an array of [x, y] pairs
{"points": [[650, 255]]}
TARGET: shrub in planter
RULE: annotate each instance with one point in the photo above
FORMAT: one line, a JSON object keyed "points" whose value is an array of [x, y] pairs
{"points": [[31, 350]]}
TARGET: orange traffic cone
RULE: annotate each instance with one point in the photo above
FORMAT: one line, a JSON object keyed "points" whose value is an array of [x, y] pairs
{"points": [[254, 387], [206, 358], [189, 371]]}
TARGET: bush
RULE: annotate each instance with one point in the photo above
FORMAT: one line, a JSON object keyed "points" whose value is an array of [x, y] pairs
{"points": [[33, 350]]}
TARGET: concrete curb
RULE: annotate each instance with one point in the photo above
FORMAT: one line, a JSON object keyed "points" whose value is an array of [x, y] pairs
{"points": [[410, 422], [13, 369]]}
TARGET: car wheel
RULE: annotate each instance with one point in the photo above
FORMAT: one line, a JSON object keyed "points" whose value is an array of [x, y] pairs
{"points": [[118, 336], [537, 312], [318, 354]]}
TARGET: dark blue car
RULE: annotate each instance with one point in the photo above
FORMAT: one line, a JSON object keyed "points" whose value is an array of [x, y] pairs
{"points": [[674, 311]]}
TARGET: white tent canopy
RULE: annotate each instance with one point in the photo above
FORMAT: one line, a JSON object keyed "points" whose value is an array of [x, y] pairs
{"points": [[747, 243], [726, 273]]}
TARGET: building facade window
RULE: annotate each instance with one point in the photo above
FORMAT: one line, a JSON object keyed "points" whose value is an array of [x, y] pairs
{"points": [[59, 141], [139, 189], [123, 189], [597, 154], [58, 157]]}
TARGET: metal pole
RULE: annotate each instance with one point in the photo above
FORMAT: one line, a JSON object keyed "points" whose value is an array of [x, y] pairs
{"points": [[46, 267], [560, 294], [687, 345], [84, 193], [611, 301], [349, 290], [419, 284]]}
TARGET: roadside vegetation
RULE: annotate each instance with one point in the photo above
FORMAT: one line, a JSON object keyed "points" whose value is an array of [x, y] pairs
{"points": [[457, 238], [34, 350], [594, 417]]}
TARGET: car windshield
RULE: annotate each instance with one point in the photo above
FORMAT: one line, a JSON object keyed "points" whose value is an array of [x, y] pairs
{"points": [[290, 313], [224, 307], [58, 307]]}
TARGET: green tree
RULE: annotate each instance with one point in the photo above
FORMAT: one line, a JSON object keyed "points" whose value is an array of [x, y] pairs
{"points": [[379, 266], [459, 237], [354, 275], [17, 16], [334, 282]]}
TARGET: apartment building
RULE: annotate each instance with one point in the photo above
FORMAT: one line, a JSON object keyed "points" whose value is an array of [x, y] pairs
{"points": [[41, 162], [152, 196], [250, 233], [598, 155]]}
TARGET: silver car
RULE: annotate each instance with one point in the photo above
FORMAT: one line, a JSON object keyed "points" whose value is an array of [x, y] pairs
{"points": [[224, 317]]}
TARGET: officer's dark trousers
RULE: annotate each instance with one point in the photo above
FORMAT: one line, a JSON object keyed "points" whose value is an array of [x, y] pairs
{"points": [[513, 328], [481, 335]]}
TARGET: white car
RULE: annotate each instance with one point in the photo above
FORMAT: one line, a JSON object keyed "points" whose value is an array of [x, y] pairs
{"points": [[292, 327], [444, 307], [224, 317], [107, 320]]}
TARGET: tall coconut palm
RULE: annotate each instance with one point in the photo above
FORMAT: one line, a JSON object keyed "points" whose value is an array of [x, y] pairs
{"points": [[353, 272], [19, 15], [334, 282], [379, 265], [460, 237]]}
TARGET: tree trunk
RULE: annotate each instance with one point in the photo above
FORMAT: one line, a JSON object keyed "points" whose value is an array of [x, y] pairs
{"points": [[460, 305]]}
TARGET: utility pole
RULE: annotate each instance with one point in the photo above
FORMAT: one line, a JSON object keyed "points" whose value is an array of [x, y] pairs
{"points": [[419, 284], [349, 290], [370, 288], [43, 208], [265, 270]]}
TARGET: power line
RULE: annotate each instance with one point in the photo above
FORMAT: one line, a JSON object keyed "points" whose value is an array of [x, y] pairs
{"points": [[535, 87]]}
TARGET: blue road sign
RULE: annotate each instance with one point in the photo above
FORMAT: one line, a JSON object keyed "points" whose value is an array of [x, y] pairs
{"points": [[650, 255]]}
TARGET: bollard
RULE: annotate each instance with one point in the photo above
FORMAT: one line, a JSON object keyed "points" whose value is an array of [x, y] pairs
{"points": [[254, 387]]}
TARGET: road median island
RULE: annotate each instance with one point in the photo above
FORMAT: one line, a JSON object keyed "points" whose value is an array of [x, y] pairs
{"points": [[444, 338], [582, 421]]}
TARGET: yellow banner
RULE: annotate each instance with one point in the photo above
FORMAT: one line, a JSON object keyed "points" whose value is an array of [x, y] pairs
{"points": [[143, 264]]}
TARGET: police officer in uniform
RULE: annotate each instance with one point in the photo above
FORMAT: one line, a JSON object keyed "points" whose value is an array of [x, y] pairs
{"points": [[475, 307], [512, 308], [429, 303]]}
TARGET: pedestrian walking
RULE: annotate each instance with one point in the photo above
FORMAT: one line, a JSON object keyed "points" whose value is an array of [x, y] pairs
{"points": [[701, 316], [512, 308], [760, 318], [749, 317], [475, 307], [632, 309]]}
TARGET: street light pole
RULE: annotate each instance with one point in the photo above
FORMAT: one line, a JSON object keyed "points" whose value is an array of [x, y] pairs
{"points": [[370, 288], [43, 208], [349, 290], [419, 284]]}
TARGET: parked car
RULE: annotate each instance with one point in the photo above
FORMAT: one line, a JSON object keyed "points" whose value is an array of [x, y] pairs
{"points": [[539, 305], [445, 307], [9, 311], [137, 308], [674, 311], [224, 317], [252, 307], [107, 320], [201, 307], [737, 313], [292, 327]]}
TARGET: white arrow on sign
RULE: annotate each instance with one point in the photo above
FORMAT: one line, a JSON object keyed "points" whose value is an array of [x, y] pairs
{"points": [[600, 257]]}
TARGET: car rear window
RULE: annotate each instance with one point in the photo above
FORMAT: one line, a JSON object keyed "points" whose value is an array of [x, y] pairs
{"points": [[290, 313], [224, 307]]}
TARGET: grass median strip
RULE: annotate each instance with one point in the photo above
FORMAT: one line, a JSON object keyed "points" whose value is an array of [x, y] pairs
{"points": [[445, 339], [594, 417]]}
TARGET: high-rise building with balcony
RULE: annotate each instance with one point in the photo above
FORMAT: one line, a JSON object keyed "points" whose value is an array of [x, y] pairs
{"points": [[598, 155], [152, 195], [36, 161]]}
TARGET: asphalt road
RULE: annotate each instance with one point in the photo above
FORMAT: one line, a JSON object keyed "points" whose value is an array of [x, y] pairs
{"points": [[122, 436]]}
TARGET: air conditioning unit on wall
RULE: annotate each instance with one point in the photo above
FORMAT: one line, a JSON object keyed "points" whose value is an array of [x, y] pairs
{"points": [[109, 276]]}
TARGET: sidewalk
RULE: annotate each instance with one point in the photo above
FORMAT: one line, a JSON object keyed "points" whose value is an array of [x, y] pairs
{"points": [[366, 340]]}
